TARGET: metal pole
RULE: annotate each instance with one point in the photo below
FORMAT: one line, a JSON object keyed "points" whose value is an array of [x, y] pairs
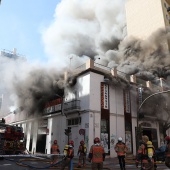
{"points": [[70, 61], [68, 138]]}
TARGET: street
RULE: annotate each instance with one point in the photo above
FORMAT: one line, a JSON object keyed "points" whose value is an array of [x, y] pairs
{"points": [[41, 163]]}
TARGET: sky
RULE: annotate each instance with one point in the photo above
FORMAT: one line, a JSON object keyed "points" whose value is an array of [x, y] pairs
{"points": [[58, 31], [52, 33], [22, 24]]}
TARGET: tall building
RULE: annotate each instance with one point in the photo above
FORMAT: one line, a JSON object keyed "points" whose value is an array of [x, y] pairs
{"points": [[146, 16], [5, 101]]}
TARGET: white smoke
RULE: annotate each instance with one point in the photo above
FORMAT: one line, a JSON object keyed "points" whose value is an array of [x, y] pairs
{"points": [[84, 28]]}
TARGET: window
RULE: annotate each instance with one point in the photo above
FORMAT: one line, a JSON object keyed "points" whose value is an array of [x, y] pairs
{"points": [[74, 121], [164, 4]]}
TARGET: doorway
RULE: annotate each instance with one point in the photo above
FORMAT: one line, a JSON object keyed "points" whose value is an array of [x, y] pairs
{"points": [[41, 143], [152, 134]]}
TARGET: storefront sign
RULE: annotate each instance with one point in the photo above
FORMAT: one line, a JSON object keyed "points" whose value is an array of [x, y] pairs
{"points": [[140, 95], [104, 96], [52, 109], [127, 101], [53, 106], [43, 131], [43, 123]]}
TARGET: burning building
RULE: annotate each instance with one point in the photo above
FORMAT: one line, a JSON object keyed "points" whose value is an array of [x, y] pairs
{"points": [[99, 98], [99, 101]]}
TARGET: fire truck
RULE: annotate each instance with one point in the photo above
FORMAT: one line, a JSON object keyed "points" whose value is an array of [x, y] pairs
{"points": [[11, 139]]}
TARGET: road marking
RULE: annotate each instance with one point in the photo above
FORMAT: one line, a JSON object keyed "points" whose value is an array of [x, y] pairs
{"points": [[6, 165]]}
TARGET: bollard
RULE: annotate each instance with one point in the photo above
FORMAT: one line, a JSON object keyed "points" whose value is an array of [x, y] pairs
{"points": [[71, 164]]}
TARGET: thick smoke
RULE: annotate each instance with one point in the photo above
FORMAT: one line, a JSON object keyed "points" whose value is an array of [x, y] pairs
{"points": [[30, 86], [84, 29], [97, 29]]}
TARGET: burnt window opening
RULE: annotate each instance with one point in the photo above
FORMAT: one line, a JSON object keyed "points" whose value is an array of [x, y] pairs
{"points": [[74, 121]]}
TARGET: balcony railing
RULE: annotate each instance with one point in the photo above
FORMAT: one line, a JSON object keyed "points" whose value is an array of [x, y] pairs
{"points": [[71, 106]]}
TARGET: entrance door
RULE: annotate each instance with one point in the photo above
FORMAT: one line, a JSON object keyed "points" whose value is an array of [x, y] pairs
{"points": [[152, 134], [41, 143]]}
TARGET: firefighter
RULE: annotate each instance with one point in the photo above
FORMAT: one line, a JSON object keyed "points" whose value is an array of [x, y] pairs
{"points": [[121, 149], [54, 150], [82, 150], [68, 155], [145, 156], [167, 151], [96, 155]]}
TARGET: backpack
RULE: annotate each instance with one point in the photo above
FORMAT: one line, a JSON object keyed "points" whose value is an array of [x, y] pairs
{"points": [[68, 152], [149, 149]]}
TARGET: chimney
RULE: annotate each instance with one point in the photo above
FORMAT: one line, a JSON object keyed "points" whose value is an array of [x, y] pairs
{"points": [[114, 72], [90, 64], [65, 75], [133, 78], [148, 84]]}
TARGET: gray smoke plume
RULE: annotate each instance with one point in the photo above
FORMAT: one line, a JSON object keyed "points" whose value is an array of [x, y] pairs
{"points": [[88, 29], [97, 29]]}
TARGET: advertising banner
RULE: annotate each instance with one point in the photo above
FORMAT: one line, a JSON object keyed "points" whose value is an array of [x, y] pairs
{"points": [[104, 96]]}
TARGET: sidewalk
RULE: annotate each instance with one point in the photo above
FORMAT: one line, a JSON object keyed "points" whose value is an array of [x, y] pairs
{"points": [[108, 161]]}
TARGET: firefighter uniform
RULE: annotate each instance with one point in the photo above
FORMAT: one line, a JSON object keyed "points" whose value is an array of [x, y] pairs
{"points": [[68, 155], [121, 149], [143, 155], [55, 150], [96, 155], [167, 152], [82, 150]]}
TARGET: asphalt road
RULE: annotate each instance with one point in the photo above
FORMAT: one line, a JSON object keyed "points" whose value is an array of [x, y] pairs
{"points": [[40, 163]]}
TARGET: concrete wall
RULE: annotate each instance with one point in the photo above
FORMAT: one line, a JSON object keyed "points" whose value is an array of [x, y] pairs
{"points": [[144, 17]]}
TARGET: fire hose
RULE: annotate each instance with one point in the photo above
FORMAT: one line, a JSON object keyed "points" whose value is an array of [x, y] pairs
{"points": [[35, 156]]}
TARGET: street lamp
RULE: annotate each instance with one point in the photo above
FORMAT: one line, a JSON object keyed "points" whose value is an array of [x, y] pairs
{"points": [[167, 91]]}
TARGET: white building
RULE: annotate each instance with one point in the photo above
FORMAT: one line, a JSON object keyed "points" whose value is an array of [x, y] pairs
{"points": [[102, 103]]}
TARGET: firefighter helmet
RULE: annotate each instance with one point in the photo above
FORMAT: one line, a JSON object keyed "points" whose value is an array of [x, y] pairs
{"points": [[96, 140], [71, 142], [82, 142], [120, 139], [167, 138], [145, 138], [55, 141]]}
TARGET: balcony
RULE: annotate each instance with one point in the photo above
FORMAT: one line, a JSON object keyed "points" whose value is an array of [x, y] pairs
{"points": [[71, 107]]}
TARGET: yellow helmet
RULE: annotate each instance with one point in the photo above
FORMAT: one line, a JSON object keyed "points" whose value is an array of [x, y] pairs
{"points": [[149, 142]]}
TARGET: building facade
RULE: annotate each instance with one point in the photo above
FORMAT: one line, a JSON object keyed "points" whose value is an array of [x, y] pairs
{"points": [[144, 17], [101, 103]]}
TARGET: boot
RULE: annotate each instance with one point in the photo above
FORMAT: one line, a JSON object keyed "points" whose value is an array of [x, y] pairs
{"points": [[79, 166]]}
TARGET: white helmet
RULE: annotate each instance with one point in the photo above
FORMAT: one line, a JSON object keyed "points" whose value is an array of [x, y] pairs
{"points": [[120, 139]]}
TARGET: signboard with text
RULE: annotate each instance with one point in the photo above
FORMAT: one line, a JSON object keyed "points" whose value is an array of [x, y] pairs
{"points": [[104, 96]]}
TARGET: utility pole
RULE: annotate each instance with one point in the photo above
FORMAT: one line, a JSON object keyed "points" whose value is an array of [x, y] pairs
{"points": [[71, 57]]}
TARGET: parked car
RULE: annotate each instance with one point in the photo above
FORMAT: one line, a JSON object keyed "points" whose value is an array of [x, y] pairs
{"points": [[160, 153]]}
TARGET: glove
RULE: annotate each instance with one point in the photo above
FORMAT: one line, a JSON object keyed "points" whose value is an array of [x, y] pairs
{"points": [[137, 164]]}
